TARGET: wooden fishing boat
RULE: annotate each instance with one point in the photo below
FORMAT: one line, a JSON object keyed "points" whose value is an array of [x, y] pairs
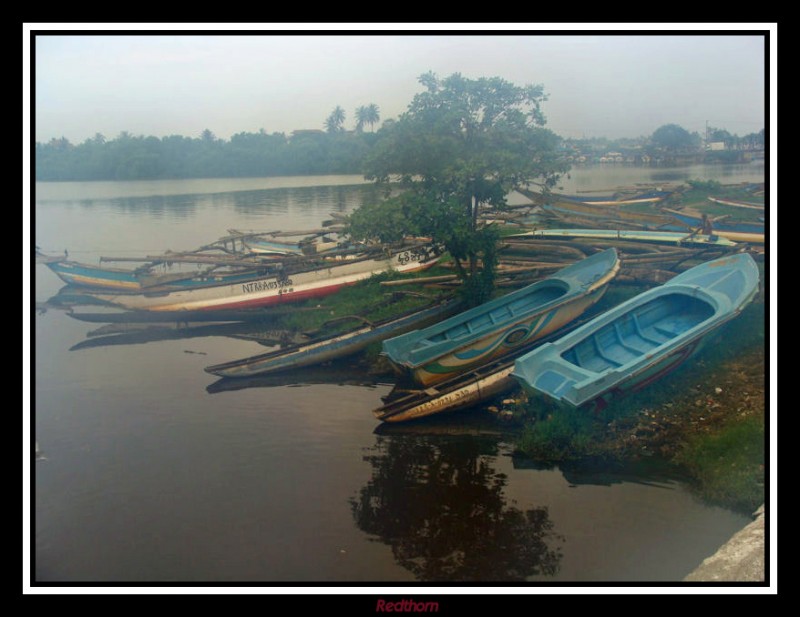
{"points": [[658, 237], [736, 203], [597, 212], [103, 277], [325, 349], [458, 393], [270, 247], [265, 246], [639, 198], [735, 230], [276, 288], [641, 340], [494, 329]]}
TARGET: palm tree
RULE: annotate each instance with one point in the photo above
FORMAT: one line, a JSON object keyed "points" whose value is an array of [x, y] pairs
{"points": [[335, 121], [368, 114], [361, 114]]}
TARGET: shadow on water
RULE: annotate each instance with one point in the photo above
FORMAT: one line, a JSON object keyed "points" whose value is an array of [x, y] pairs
{"points": [[647, 472], [440, 505], [339, 373], [141, 333]]}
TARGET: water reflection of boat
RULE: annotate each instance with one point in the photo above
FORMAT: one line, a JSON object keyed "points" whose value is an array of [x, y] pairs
{"points": [[479, 335], [646, 472], [639, 341], [136, 334], [342, 374], [472, 424], [67, 298]]}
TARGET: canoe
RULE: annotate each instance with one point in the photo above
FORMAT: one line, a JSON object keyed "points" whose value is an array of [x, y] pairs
{"points": [[273, 289], [590, 211], [477, 336], [456, 394], [102, 277], [273, 247], [563, 206], [658, 237], [641, 198], [641, 340], [325, 349], [737, 231], [736, 203]]}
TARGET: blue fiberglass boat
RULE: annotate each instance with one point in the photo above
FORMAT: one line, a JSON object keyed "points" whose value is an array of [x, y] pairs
{"points": [[632, 345]]}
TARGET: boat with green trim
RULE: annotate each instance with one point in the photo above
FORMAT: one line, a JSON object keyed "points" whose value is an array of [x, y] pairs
{"points": [[479, 335]]}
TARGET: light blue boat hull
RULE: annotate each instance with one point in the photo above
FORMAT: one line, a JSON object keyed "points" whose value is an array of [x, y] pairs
{"points": [[641, 340]]}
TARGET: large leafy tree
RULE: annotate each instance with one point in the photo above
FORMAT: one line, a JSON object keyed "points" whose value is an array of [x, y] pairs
{"points": [[462, 146], [673, 137]]}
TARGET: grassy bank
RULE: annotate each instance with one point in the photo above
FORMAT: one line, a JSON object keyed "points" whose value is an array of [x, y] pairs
{"points": [[707, 420]]}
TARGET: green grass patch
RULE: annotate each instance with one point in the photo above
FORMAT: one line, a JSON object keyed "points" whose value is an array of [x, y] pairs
{"points": [[368, 299], [559, 434], [728, 465], [697, 194]]}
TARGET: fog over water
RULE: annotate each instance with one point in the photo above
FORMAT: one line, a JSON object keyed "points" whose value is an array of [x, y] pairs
{"points": [[625, 84]]}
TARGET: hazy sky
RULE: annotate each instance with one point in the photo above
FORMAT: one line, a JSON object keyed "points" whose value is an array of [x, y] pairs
{"points": [[182, 82]]}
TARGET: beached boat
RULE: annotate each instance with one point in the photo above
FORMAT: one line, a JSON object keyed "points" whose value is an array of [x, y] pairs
{"points": [[325, 349], [277, 288], [641, 340], [495, 328], [658, 237], [265, 246], [601, 213], [735, 230], [271, 247], [564, 207], [645, 197], [456, 394], [736, 203]]}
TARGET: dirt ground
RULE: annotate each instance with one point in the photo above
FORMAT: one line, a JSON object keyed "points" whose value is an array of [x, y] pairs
{"points": [[732, 389]]}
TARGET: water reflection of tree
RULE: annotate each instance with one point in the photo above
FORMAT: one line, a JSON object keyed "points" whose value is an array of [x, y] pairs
{"points": [[440, 505]]}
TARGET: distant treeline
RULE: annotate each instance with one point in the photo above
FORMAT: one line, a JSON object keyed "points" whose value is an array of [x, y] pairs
{"points": [[245, 155]]}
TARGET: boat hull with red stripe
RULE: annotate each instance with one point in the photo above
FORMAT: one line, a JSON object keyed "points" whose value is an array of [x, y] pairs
{"points": [[276, 289]]}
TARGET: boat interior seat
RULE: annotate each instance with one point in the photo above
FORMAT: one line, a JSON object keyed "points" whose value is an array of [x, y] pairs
{"points": [[649, 334]]}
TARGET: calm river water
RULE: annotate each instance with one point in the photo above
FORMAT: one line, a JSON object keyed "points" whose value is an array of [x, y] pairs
{"points": [[148, 475]]}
